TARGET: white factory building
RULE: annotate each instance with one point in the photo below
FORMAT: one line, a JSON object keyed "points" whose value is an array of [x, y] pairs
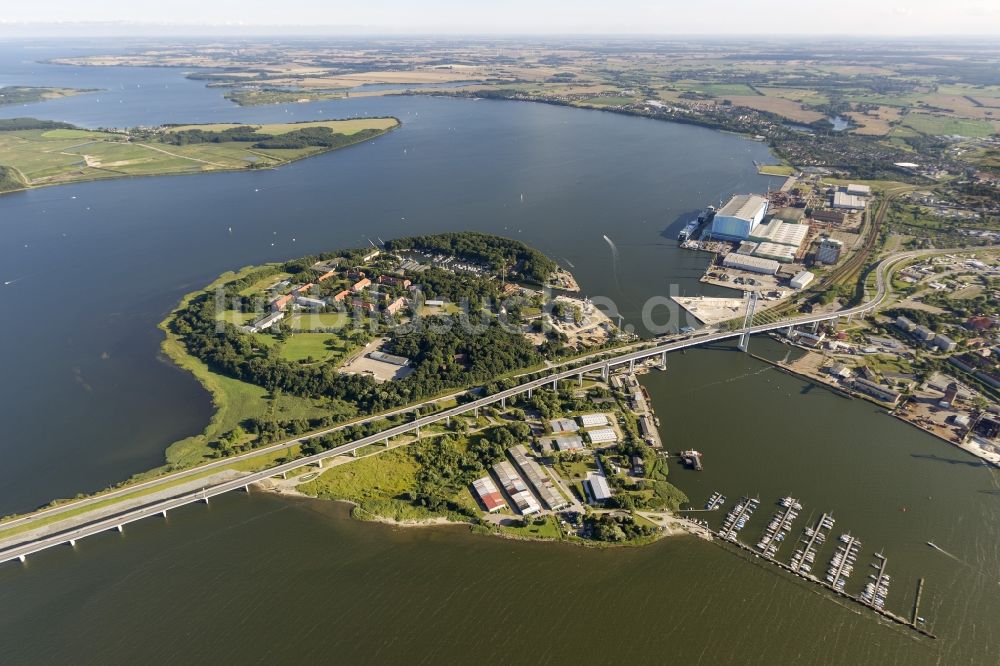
{"points": [[593, 420], [802, 280], [848, 201], [602, 436], [739, 217], [749, 263]]}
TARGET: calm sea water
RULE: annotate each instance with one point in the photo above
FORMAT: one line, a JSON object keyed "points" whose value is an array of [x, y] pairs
{"points": [[86, 401]]}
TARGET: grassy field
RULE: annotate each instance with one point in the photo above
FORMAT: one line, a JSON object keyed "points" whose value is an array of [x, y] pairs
{"points": [[31, 94], [50, 157], [381, 476], [926, 123], [312, 320], [338, 126], [315, 346], [234, 400]]}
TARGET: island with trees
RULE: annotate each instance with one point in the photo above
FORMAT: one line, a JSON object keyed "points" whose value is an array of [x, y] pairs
{"points": [[11, 95], [35, 153], [355, 336]]}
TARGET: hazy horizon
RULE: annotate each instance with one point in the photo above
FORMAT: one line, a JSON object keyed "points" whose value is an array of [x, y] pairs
{"points": [[848, 18]]}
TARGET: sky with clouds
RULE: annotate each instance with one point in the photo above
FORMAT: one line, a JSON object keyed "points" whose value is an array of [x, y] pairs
{"points": [[663, 17]]}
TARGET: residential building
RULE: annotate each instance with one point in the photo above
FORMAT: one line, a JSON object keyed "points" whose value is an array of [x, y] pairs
{"points": [[858, 190], [904, 324], [363, 305], [314, 303], [326, 276], [396, 306], [394, 280], [360, 285], [340, 296], [923, 334], [281, 302], [264, 323], [944, 343]]}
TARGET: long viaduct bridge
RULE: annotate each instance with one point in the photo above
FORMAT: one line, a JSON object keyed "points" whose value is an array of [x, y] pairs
{"points": [[51, 534]]}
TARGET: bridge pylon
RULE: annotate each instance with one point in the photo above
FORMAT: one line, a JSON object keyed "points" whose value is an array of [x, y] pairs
{"points": [[744, 343]]}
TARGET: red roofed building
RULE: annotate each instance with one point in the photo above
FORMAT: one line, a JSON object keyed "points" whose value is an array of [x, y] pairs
{"points": [[363, 305], [360, 285], [980, 323], [396, 305], [488, 494], [281, 302], [340, 295], [305, 287], [326, 276], [394, 280]]}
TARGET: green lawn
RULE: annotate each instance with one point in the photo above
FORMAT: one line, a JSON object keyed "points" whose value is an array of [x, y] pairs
{"points": [[549, 529], [311, 320], [317, 346]]}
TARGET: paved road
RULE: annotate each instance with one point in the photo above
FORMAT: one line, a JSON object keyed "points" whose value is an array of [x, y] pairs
{"points": [[57, 537]]}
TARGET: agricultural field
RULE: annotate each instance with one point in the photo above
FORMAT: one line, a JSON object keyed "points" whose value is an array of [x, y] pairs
{"points": [[54, 156], [10, 95], [937, 125]]}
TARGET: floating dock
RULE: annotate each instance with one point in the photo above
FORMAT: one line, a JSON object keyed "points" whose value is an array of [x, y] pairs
{"points": [[813, 537], [780, 526], [737, 517]]}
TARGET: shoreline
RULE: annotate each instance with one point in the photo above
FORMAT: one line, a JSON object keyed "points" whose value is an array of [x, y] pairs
{"points": [[287, 488], [893, 412]]}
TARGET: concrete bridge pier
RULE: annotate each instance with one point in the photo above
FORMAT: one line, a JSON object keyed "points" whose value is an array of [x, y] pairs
{"points": [[631, 366], [744, 343], [529, 394], [579, 378], [447, 421], [503, 403], [72, 542], [164, 513], [475, 412], [22, 558], [555, 384], [418, 431], [605, 371], [788, 331], [204, 500], [120, 528], [815, 326], [386, 442], [663, 361]]}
